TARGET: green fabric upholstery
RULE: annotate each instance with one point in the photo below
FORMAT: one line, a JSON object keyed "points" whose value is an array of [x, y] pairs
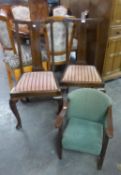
{"points": [[84, 136], [86, 118], [89, 104]]}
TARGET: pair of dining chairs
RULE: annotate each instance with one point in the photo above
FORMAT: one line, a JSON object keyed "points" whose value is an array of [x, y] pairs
{"points": [[82, 113]]}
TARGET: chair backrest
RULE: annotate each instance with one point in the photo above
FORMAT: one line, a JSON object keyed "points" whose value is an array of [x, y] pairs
{"points": [[20, 12], [87, 29], [35, 38], [38, 9], [60, 11], [89, 104], [6, 35], [59, 35]]}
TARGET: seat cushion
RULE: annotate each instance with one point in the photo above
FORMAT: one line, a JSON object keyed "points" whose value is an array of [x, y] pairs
{"points": [[82, 75], [36, 82], [84, 136]]}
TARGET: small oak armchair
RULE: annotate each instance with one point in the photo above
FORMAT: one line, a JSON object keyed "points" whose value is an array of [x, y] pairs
{"points": [[85, 123]]}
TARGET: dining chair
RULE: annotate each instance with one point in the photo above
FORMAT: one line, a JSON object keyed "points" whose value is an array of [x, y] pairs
{"points": [[10, 53], [38, 82], [59, 43], [85, 123], [81, 74], [11, 59]]}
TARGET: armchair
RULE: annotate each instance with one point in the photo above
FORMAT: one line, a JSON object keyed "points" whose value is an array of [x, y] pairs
{"points": [[88, 125]]}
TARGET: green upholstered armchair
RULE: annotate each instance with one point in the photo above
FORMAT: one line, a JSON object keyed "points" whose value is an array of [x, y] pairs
{"points": [[88, 126]]}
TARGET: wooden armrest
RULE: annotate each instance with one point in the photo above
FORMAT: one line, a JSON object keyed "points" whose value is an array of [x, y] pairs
{"points": [[60, 116], [109, 124]]}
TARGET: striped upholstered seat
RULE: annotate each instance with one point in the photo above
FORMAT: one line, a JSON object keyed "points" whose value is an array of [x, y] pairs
{"points": [[36, 81], [82, 75]]}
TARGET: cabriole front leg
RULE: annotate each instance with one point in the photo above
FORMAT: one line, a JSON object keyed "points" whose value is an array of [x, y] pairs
{"points": [[13, 107]]}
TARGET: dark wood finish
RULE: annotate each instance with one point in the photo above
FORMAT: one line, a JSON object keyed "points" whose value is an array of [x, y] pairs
{"points": [[59, 143], [38, 9], [59, 124], [97, 9], [37, 83], [108, 133], [109, 123], [13, 107], [61, 115], [103, 152], [82, 75]]}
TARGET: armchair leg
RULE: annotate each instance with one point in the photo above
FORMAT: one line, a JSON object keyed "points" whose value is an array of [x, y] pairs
{"points": [[60, 105], [102, 154], [13, 107], [59, 144]]}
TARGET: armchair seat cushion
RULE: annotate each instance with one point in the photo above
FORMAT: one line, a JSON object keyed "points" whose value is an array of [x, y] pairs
{"points": [[83, 135]]}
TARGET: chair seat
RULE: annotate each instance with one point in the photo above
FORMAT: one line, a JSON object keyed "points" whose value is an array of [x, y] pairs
{"points": [[35, 82], [84, 136], [83, 75]]}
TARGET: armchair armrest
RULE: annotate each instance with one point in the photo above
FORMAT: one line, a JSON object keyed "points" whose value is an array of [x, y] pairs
{"points": [[60, 116], [108, 123]]}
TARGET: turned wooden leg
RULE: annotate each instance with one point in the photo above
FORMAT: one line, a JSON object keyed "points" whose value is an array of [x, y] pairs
{"points": [[102, 154], [59, 144], [13, 107]]}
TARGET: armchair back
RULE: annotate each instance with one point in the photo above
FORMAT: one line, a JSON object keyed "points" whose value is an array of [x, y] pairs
{"points": [[89, 104]]}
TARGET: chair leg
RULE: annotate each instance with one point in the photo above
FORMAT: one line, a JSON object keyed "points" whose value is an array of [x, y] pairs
{"points": [[9, 75], [59, 144], [13, 107], [102, 154]]}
